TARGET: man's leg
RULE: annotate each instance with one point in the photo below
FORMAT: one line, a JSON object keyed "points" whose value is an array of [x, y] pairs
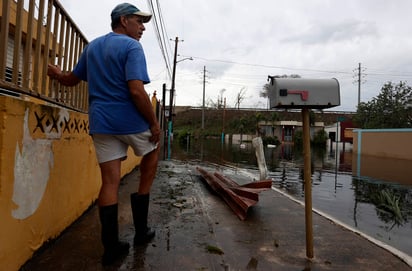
{"points": [[140, 200], [108, 212], [148, 169], [110, 172]]}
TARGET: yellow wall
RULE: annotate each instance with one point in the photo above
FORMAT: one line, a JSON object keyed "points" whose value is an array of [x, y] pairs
{"points": [[383, 154], [48, 175], [388, 143]]}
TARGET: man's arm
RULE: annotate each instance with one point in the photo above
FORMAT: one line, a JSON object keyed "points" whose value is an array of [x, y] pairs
{"points": [[143, 104], [67, 79]]}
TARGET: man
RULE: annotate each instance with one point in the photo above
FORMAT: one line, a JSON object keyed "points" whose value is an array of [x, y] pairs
{"points": [[120, 115]]}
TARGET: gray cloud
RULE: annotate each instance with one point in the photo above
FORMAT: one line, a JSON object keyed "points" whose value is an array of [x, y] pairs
{"points": [[349, 30], [312, 38]]}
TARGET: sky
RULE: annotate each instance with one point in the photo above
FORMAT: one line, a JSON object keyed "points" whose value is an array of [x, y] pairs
{"points": [[239, 43]]}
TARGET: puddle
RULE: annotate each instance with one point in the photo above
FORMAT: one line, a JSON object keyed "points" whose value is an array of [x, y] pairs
{"points": [[372, 205]]}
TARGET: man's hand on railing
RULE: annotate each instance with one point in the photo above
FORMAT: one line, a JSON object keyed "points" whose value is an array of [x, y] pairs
{"points": [[65, 78], [54, 71]]}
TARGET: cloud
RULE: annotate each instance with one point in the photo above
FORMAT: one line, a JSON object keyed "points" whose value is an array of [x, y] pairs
{"points": [[242, 42], [346, 31]]}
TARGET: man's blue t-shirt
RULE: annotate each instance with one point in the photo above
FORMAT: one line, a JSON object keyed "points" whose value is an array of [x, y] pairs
{"points": [[107, 63]]}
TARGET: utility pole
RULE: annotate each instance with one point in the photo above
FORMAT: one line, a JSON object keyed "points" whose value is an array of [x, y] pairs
{"points": [[163, 120], [203, 105], [359, 82], [172, 91], [359, 75], [223, 120]]}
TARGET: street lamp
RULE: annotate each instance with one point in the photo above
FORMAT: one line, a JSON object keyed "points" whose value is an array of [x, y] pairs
{"points": [[183, 59], [172, 91]]}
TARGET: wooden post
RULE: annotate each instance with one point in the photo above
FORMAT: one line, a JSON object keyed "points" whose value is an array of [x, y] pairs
{"points": [[307, 175], [260, 156], [164, 121]]}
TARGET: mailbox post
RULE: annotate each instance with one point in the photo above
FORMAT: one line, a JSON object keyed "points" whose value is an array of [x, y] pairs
{"points": [[298, 93], [307, 175]]}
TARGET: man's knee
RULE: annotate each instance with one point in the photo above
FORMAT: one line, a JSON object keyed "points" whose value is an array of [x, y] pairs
{"points": [[152, 156]]}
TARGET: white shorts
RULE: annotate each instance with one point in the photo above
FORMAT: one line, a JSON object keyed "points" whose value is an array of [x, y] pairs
{"points": [[111, 147]]}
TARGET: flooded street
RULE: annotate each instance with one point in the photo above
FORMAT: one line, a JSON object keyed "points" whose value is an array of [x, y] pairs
{"points": [[380, 208]]}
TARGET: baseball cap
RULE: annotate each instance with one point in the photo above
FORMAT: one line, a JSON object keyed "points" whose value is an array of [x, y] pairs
{"points": [[128, 9]]}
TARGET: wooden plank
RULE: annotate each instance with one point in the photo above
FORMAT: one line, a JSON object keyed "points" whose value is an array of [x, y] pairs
{"points": [[37, 54], [17, 42], [4, 36], [239, 198], [27, 59]]}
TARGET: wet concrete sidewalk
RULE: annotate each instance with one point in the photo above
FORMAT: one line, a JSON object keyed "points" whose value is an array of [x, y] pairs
{"points": [[196, 230]]}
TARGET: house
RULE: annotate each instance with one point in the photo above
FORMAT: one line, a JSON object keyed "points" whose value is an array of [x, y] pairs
{"points": [[285, 130]]}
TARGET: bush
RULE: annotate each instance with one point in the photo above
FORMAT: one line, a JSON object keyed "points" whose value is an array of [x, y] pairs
{"points": [[320, 139], [270, 140], [181, 135], [298, 139]]}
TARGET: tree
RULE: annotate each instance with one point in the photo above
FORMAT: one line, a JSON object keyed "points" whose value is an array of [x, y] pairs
{"points": [[274, 116], [390, 109], [209, 103], [241, 126], [258, 117], [240, 97]]}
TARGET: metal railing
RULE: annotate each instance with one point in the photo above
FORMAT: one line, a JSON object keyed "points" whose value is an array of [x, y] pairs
{"points": [[33, 34]]}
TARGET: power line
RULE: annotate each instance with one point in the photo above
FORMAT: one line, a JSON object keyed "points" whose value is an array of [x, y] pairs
{"points": [[382, 73], [268, 66], [164, 33], [160, 31], [389, 74]]}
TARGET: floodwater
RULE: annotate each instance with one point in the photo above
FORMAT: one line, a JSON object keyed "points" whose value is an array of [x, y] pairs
{"points": [[376, 206]]}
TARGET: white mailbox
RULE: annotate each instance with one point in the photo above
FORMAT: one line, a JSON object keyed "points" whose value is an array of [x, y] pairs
{"points": [[303, 93]]}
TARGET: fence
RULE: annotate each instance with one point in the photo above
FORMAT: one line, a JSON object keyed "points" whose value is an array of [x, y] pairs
{"points": [[33, 34]]}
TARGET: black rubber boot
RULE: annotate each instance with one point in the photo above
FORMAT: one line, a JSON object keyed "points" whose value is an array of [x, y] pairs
{"points": [[140, 210], [113, 248]]}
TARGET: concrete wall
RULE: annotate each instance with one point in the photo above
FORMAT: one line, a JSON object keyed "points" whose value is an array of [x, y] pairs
{"points": [[383, 154], [388, 143], [48, 174]]}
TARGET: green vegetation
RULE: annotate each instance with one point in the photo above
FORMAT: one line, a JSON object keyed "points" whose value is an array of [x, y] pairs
{"points": [[392, 204], [388, 203], [272, 140], [392, 108], [242, 123], [318, 140], [298, 139], [188, 124]]}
